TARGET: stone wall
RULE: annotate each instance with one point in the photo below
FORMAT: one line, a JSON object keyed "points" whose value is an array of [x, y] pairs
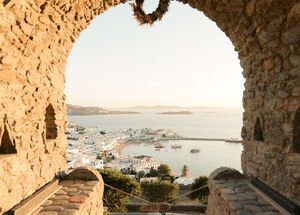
{"points": [[36, 37], [35, 40], [230, 194], [266, 35], [80, 194]]}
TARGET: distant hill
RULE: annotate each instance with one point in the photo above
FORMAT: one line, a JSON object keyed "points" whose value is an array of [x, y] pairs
{"points": [[176, 113], [168, 107], [80, 110], [155, 107]]}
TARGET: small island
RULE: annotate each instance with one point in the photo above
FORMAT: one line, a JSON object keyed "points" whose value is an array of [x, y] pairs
{"points": [[176, 113]]}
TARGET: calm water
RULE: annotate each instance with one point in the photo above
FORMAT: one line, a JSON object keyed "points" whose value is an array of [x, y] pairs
{"points": [[203, 123]]}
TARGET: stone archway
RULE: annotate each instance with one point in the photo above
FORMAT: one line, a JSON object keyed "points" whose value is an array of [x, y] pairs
{"points": [[36, 38]]}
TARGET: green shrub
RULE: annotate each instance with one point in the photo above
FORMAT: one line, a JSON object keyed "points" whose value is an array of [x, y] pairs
{"points": [[114, 199], [159, 191], [164, 169], [201, 195]]}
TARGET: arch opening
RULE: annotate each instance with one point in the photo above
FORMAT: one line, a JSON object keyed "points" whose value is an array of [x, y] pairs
{"points": [[51, 127], [7, 146], [258, 133], [186, 76], [296, 132]]}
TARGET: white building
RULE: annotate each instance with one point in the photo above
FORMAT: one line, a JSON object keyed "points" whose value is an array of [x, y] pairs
{"points": [[184, 181], [142, 162], [150, 179]]}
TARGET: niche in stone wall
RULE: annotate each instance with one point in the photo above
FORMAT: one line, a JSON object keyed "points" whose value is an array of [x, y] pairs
{"points": [[258, 134], [296, 132], [51, 127], [7, 146]]}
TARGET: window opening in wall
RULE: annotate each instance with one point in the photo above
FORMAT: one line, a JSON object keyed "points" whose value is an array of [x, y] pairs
{"points": [[258, 134], [5, 2], [296, 132], [7, 146], [51, 128]]}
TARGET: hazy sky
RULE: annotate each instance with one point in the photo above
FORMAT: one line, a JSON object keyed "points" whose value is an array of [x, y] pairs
{"points": [[185, 60]]}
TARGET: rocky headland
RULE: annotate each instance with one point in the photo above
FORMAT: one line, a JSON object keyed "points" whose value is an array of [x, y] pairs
{"points": [[80, 110]]}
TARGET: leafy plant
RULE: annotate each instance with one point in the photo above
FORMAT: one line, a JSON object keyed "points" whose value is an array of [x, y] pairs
{"points": [[159, 191], [169, 178], [153, 172], [114, 199], [164, 169], [202, 194], [141, 174]]}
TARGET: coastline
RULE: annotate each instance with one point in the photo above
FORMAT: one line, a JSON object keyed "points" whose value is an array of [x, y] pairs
{"points": [[121, 146]]}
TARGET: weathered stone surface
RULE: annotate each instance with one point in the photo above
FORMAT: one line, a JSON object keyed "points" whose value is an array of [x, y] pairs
{"points": [[77, 199], [235, 196], [91, 203], [225, 173], [36, 38], [48, 213]]}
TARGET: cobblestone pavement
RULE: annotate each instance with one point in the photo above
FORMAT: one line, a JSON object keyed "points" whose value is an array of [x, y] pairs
{"points": [[69, 199], [236, 197]]}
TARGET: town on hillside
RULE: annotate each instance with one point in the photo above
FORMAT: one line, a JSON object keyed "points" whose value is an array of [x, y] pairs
{"points": [[143, 174], [97, 148]]}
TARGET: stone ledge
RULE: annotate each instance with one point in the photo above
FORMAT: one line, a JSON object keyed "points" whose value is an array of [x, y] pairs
{"points": [[32, 203], [230, 193], [7, 156], [79, 194]]}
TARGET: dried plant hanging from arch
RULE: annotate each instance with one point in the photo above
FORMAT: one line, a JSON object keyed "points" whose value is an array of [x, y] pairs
{"points": [[150, 18]]}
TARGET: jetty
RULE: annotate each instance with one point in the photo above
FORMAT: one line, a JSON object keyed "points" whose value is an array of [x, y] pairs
{"points": [[201, 139], [186, 138]]}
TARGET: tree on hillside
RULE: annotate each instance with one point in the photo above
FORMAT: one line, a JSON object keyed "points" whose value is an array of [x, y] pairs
{"points": [[185, 171], [164, 169], [202, 194], [114, 199], [153, 172], [141, 174], [159, 191], [169, 178]]}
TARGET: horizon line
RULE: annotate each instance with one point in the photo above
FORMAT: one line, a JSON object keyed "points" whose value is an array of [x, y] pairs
{"points": [[156, 106]]}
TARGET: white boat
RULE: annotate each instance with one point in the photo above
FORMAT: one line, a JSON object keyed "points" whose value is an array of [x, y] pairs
{"points": [[176, 146], [159, 145], [195, 150]]}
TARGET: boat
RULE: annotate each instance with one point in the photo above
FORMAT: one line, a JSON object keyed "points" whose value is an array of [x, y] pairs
{"points": [[176, 146], [195, 150], [157, 149], [159, 145], [233, 140]]}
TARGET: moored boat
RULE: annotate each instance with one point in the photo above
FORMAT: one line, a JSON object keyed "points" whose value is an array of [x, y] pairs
{"points": [[176, 146], [195, 150], [159, 145]]}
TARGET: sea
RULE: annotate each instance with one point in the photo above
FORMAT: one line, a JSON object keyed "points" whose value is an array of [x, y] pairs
{"points": [[203, 123]]}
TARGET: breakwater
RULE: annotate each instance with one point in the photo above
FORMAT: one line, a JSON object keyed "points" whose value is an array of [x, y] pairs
{"points": [[186, 138]]}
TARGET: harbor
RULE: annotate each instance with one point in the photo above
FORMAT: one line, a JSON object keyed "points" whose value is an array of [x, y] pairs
{"points": [[140, 149]]}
